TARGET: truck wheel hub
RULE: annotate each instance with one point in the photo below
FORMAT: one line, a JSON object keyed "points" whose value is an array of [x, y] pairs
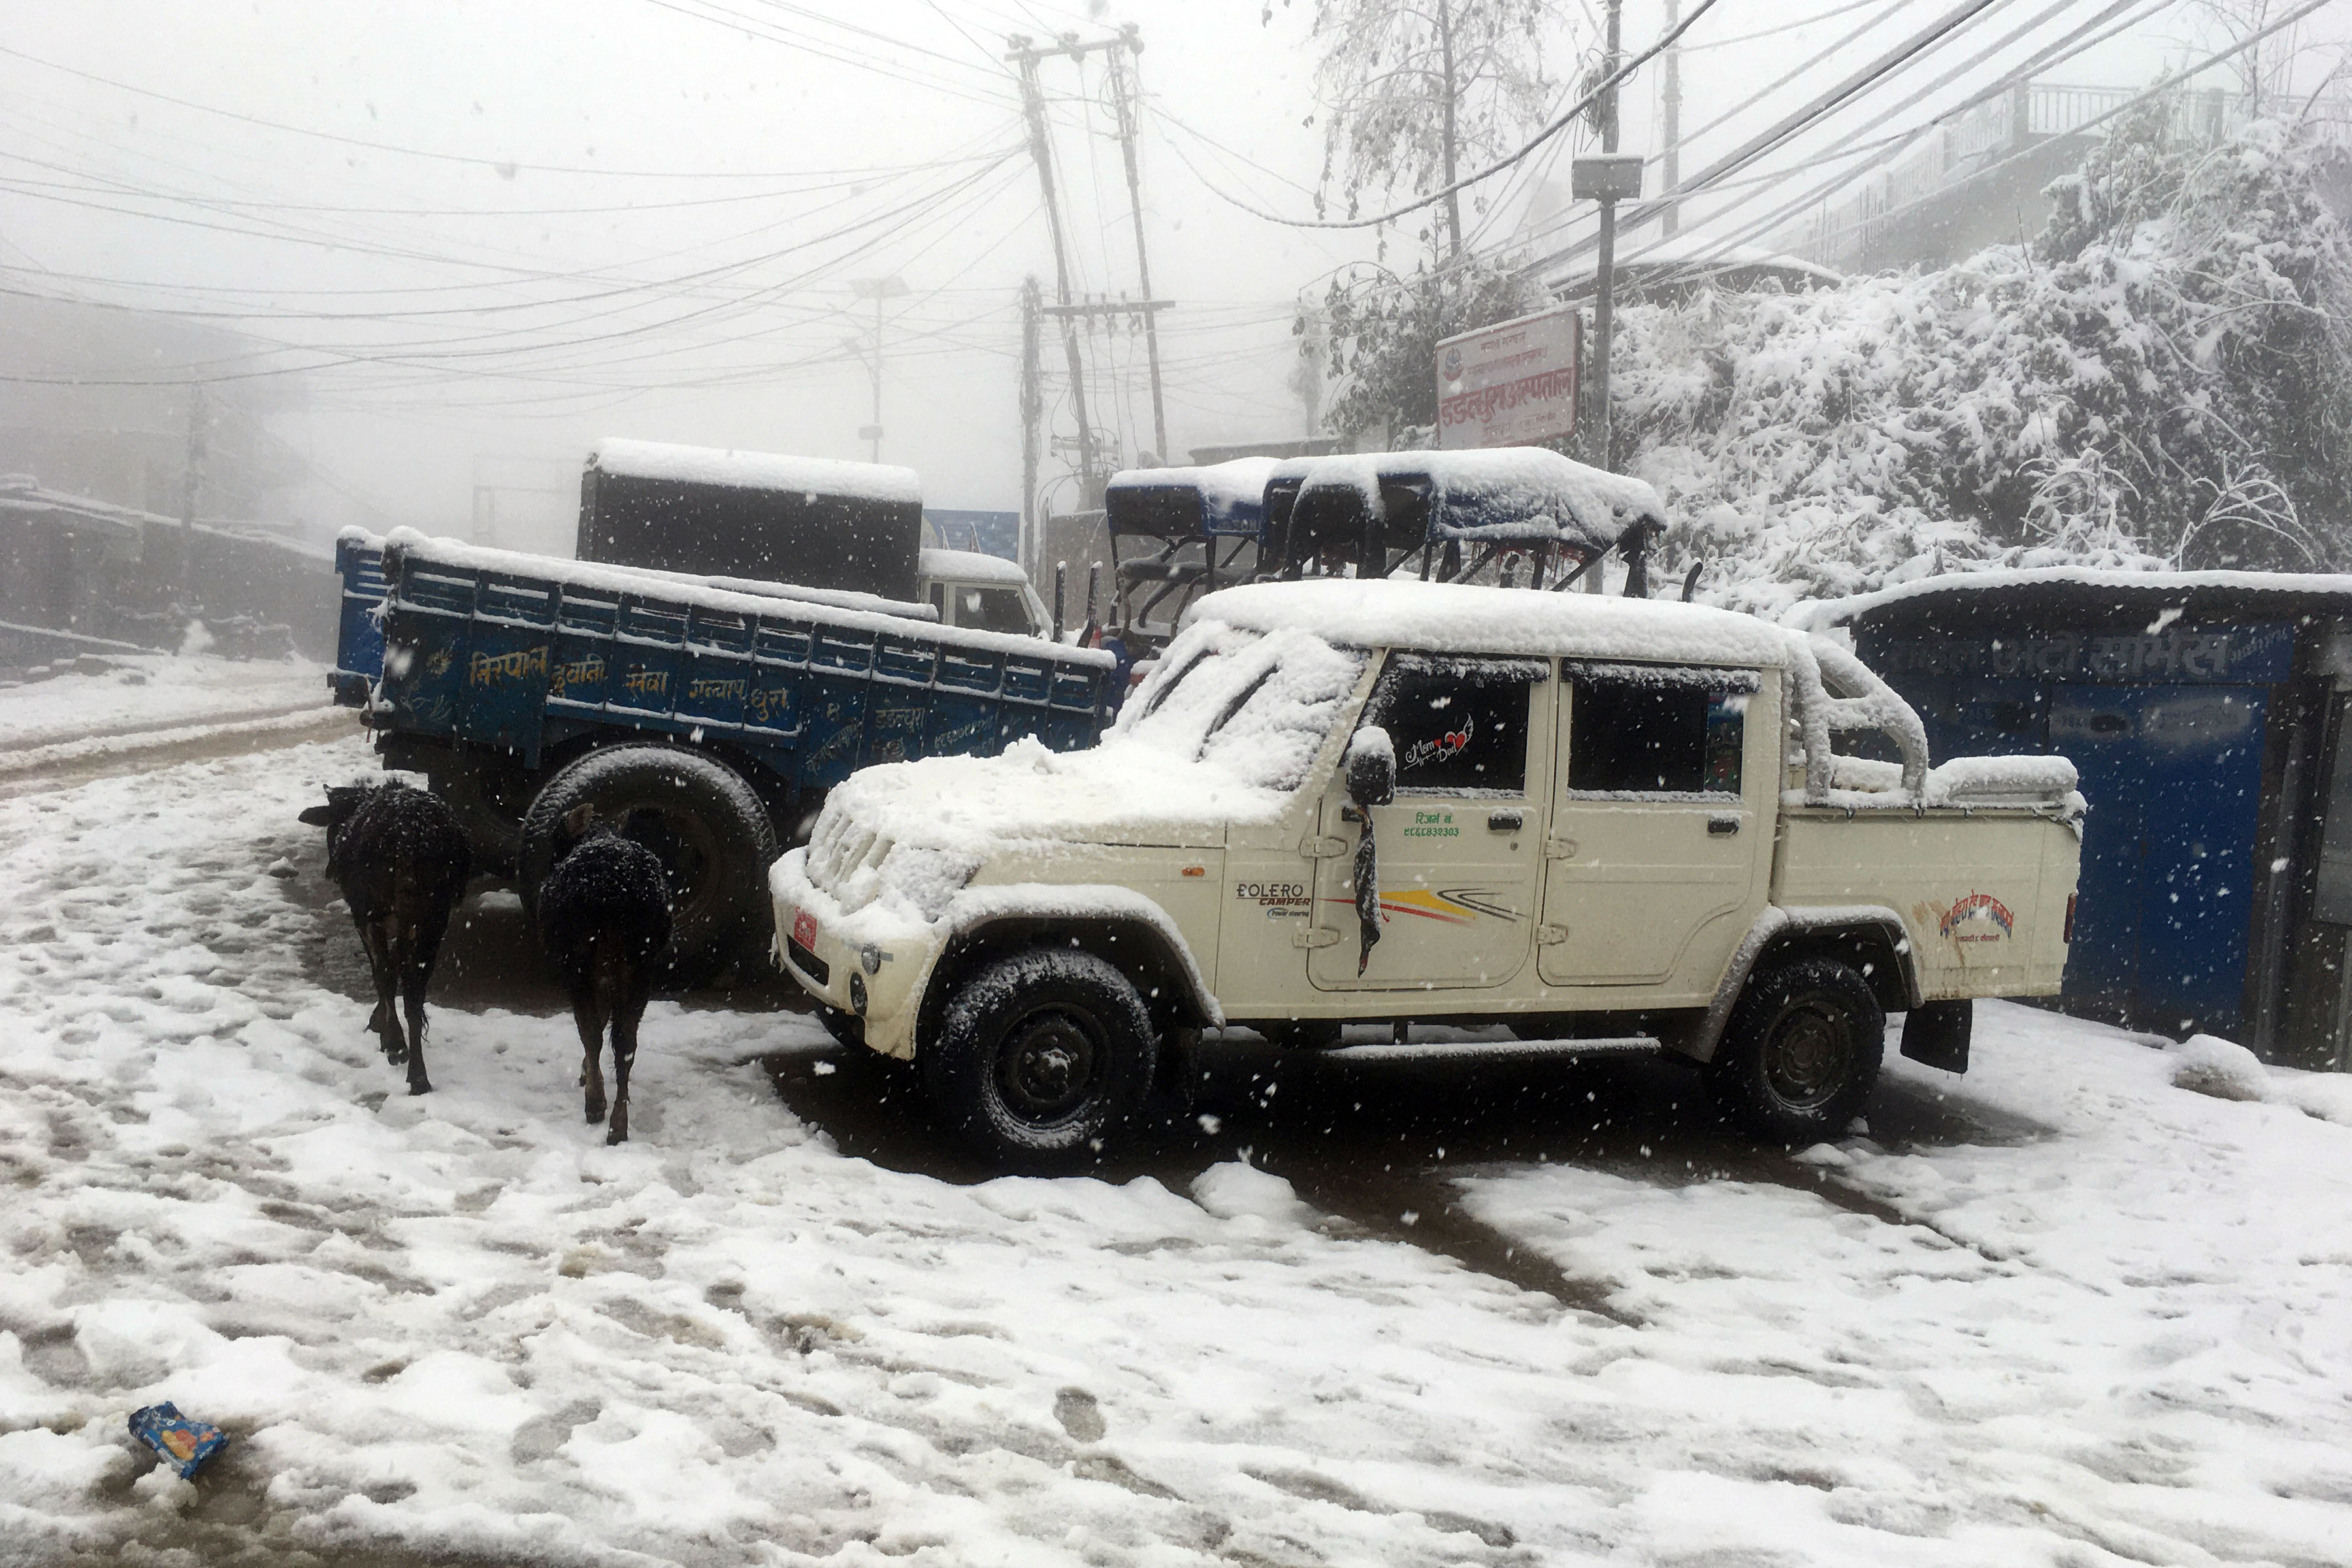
{"points": [[1046, 1069], [1811, 1053]]}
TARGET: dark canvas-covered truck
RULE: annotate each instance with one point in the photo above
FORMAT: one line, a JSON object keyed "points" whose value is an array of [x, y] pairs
{"points": [[523, 686], [759, 516]]}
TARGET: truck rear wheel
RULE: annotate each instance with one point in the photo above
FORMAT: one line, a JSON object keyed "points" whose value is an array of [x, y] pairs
{"points": [[1041, 1059], [697, 815], [1802, 1052]]}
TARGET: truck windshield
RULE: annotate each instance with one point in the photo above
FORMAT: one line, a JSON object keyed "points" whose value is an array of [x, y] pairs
{"points": [[1254, 707], [991, 609]]}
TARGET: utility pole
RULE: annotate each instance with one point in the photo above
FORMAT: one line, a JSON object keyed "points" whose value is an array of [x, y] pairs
{"points": [[1603, 299], [1041, 148], [1670, 118], [1032, 413], [877, 289], [1123, 100], [192, 476]]}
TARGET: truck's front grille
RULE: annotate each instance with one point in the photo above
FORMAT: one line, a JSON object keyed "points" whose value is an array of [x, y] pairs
{"points": [[809, 964]]}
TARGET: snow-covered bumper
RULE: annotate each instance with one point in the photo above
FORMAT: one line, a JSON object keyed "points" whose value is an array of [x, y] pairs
{"points": [[864, 963]]}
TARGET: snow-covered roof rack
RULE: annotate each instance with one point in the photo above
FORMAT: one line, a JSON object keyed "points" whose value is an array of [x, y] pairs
{"points": [[1222, 500], [626, 458], [1374, 509], [1461, 617]]}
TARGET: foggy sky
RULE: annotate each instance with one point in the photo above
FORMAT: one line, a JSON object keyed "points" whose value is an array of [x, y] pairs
{"points": [[461, 331]]}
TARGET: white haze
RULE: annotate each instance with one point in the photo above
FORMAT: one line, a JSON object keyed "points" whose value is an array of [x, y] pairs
{"points": [[750, 352]]}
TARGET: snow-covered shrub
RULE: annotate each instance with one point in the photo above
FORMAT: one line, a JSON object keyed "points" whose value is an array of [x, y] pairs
{"points": [[2208, 1064], [2161, 381]]}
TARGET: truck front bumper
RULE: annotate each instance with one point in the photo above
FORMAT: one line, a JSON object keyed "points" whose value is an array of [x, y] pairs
{"points": [[842, 966]]}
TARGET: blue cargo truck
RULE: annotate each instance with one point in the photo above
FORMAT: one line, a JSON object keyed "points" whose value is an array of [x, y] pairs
{"points": [[713, 717]]}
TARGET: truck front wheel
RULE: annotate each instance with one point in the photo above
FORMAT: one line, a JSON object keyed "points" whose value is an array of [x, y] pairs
{"points": [[1802, 1050], [1041, 1059]]}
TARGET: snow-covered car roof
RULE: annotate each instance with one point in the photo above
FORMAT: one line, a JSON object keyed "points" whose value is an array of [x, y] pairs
{"points": [[1225, 499], [971, 567], [1492, 494], [1456, 617], [2077, 582], [755, 471]]}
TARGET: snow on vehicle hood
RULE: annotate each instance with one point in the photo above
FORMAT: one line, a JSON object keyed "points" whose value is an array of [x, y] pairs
{"points": [[1224, 733]]}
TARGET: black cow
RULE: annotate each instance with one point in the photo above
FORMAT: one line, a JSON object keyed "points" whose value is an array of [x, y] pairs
{"points": [[603, 917], [403, 865]]}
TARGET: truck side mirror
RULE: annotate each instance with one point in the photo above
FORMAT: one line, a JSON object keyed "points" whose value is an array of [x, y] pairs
{"points": [[1371, 768]]}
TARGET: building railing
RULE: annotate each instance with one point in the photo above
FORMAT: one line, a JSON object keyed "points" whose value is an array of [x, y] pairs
{"points": [[1842, 233]]}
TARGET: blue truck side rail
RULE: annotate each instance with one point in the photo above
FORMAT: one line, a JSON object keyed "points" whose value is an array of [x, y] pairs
{"points": [[359, 631], [524, 654]]}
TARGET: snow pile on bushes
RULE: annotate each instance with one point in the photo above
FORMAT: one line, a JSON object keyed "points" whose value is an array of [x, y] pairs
{"points": [[2208, 1064], [2160, 380]]}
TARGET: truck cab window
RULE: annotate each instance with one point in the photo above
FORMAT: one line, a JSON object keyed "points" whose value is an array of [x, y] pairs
{"points": [[1657, 733], [1459, 725], [992, 609]]}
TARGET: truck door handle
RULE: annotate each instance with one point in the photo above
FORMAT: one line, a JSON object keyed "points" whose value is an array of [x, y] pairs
{"points": [[1722, 826], [1505, 821]]}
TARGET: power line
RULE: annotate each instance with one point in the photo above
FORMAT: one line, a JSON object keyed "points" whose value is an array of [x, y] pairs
{"points": [[1779, 27], [501, 166], [2057, 50], [2162, 86], [1607, 85]]}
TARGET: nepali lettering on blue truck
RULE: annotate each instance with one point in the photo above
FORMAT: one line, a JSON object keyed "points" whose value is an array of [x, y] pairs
{"points": [[714, 718]]}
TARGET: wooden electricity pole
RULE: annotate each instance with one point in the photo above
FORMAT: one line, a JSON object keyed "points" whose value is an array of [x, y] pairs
{"points": [[1025, 55], [1123, 100], [1041, 148]]}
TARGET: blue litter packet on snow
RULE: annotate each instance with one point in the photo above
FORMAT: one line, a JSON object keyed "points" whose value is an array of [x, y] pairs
{"points": [[185, 1444]]}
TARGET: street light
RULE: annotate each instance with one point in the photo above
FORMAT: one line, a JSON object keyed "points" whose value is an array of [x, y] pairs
{"points": [[876, 290]]}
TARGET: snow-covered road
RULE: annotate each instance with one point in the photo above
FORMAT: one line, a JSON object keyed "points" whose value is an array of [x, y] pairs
{"points": [[1538, 1311]]}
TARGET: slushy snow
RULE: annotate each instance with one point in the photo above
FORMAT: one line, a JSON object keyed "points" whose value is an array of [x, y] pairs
{"points": [[2097, 1319]]}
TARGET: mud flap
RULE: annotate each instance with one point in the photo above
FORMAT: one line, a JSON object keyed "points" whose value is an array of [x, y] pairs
{"points": [[1937, 1034]]}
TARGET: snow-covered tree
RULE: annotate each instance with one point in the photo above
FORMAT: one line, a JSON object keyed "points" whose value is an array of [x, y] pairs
{"points": [[1415, 93], [2165, 378], [1383, 331]]}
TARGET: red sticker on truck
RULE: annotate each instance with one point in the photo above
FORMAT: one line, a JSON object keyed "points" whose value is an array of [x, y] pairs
{"points": [[1980, 917], [805, 929]]}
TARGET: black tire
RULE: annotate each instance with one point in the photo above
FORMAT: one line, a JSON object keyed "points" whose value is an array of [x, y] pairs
{"points": [[696, 814], [846, 1027], [1797, 1062], [1041, 1058], [1301, 1034]]}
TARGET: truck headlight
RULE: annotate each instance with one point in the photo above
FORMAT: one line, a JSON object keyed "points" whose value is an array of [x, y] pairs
{"points": [[858, 994], [870, 957]]}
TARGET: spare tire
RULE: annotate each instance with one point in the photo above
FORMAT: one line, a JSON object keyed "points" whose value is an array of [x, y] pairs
{"points": [[713, 836]]}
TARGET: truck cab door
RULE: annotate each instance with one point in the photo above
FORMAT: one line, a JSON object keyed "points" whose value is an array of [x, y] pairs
{"points": [[1460, 849], [1660, 854]]}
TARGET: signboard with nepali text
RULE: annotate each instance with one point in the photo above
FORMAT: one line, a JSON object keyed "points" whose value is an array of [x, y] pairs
{"points": [[1511, 384]]}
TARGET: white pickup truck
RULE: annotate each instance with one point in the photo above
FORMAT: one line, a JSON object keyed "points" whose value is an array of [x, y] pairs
{"points": [[1380, 801]]}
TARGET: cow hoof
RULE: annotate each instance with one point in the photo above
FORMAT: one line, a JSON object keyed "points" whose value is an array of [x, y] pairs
{"points": [[596, 1113], [616, 1135], [420, 1085]]}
